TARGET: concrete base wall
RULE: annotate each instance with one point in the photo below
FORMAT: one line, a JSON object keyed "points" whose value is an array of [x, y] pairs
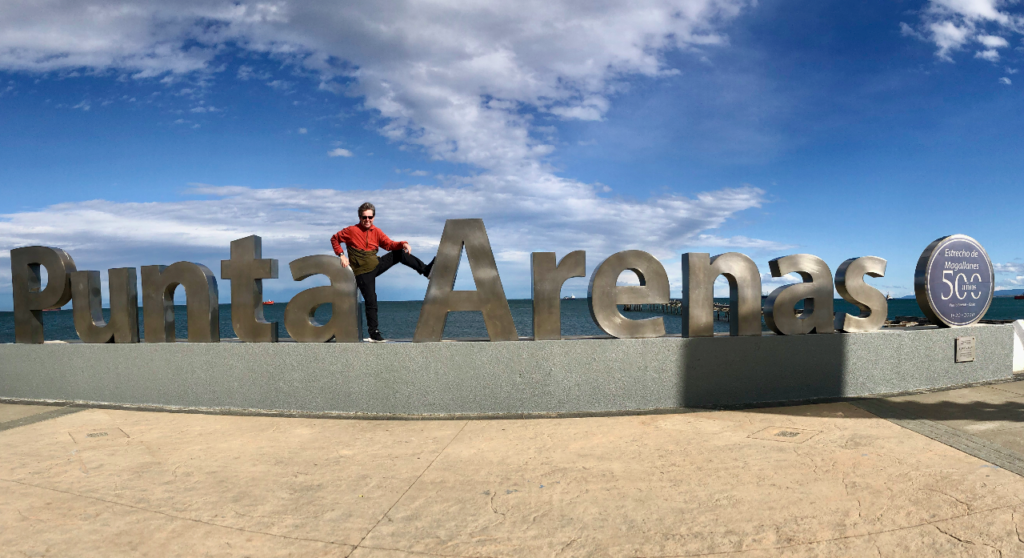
{"points": [[581, 375]]}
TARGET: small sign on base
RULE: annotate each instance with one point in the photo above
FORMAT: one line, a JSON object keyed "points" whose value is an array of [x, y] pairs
{"points": [[965, 349]]}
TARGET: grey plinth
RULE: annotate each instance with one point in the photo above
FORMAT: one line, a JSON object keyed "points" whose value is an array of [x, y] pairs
{"points": [[452, 378]]}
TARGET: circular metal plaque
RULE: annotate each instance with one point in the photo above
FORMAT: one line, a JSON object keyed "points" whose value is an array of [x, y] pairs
{"points": [[953, 282]]}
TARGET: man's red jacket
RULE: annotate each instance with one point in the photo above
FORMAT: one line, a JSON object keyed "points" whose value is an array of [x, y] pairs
{"points": [[367, 240]]}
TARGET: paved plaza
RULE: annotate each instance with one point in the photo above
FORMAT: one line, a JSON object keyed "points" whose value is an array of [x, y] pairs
{"points": [[934, 474]]}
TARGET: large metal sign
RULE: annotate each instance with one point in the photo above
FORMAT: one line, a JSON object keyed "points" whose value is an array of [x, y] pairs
{"points": [[953, 284], [953, 281]]}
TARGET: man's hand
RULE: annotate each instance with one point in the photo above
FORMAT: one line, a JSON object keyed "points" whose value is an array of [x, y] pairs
{"points": [[405, 246], [344, 260]]}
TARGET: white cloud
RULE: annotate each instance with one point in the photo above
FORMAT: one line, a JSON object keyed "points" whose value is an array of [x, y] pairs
{"points": [[450, 78], [769, 283], [952, 24], [303, 131], [419, 173], [991, 55], [145, 41], [245, 73], [972, 10], [1009, 275], [908, 31], [739, 242], [588, 109], [993, 41], [84, 105], [1005, 81], [948, 36], [463, 82], [295, 222]]}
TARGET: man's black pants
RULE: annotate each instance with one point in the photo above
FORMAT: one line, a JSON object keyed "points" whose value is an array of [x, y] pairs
{"points": [[367, 282]]}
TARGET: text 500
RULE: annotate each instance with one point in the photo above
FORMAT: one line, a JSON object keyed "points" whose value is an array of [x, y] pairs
{"points": [[961, 289]]}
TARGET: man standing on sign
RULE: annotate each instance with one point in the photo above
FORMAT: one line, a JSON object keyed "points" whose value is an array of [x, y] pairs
{"points": [[362, 241]]}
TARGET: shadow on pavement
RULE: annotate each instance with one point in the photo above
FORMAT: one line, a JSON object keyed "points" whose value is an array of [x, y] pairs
{"points": [[976, 411]]}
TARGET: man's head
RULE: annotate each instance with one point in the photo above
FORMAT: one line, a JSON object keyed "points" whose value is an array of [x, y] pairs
{"points": [[366, 214]]}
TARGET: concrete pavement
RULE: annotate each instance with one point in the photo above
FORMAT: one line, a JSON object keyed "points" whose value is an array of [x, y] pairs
{"points": [[814, 480]]}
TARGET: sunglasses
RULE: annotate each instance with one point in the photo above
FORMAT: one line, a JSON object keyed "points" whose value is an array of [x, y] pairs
{"points": [[370, 217]]}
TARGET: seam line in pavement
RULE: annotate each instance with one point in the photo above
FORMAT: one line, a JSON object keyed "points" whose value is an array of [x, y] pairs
{"points": [[40, 417], [931, 523], [399, 499], [171, 515], [425, 553], [996, 386], [967, 443]]}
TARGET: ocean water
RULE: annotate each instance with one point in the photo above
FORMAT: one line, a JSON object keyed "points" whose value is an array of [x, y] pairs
{"points": [[398, 319]]}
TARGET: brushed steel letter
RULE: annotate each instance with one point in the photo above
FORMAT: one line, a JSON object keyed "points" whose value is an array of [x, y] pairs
{"points": [[699, 274], [123, 326], [816, 291], [203, 311], [441, 298], [547, 288], [851, 286], [246, 270], [345, 324], [30, 299], [605, 295]]}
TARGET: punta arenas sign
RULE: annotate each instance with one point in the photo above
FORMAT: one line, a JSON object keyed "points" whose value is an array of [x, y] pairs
{"points": [[953, 285]]}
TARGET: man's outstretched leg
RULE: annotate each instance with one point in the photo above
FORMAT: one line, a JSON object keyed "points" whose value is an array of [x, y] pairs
{"points": [[399, 256]]}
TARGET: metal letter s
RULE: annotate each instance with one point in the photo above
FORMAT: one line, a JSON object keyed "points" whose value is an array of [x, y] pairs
{"points": [[851, 286]]}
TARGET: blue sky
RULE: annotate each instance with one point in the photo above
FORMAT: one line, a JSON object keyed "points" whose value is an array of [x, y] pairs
{"points": [[137, 135]]}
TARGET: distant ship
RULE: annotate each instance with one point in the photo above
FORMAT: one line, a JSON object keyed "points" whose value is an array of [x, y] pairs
{"points": [[570, 297], [268, 302], [1018, 297]]}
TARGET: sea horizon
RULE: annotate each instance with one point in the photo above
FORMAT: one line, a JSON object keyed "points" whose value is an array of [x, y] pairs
{"points": [[398, 319]]}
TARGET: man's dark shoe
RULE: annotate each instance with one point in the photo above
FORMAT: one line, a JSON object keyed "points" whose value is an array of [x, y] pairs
{"points": [[428, 267], [376, 337]]}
